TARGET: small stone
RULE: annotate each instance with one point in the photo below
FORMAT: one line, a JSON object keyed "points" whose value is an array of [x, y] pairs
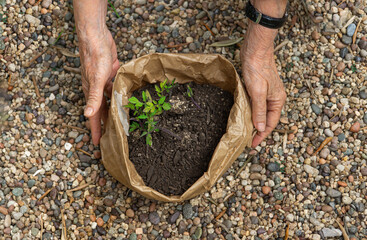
{"points": [[159, 8], [347, 200], [187, 211], [341, 66], [364, 171], [198, 233], [326, 208], [17, 191], [34, 231], [351, 29], [196, 221], [362, 44], [325, 152], [3, 210], [154, 218], [189, 40], [331, 232], [315, 35], [316, 109], [355, 127], [266, 190], [255, 168], [43, 153], [333, 193], [311, 170], [7, 221], [68, 146], [32, 20], [290, 217], [273, 167], [133, 236], [346, 39], [201, 15], [181, 227], [141, 2], [100, 222], [172, 219], [130, 213], [46, 3], [40, 119]]}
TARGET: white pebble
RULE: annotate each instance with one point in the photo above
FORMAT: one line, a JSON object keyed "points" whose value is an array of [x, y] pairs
{"points": [[68, 146]]}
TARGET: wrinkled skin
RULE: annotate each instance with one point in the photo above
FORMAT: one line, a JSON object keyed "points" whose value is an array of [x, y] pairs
{"points": [[99, 67], [262, 81]]}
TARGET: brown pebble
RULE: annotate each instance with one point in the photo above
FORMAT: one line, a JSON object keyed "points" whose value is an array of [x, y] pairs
{"points": [[86, 138], [97, 154], [326, 208], [355, 127], [315, 35], [152, 207], [130, 213], [351, 178], [89, 199], [266, 189], [102, 182], [341, 66], [100, 222], [343, 184], [196, 221], [3, 210], [93, 218]]}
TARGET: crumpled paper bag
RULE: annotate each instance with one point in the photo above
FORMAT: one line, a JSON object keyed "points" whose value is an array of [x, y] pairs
{"points": [[153, 68]]}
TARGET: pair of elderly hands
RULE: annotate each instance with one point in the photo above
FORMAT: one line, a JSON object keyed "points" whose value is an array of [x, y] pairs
{"points": [[100, 64]]}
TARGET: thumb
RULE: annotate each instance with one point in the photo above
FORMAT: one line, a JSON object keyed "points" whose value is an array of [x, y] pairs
{"points": [[94, 102], [259, 110]]}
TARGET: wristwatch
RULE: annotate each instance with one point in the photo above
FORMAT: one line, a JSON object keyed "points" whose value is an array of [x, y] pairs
{"points": [[254, 15]]}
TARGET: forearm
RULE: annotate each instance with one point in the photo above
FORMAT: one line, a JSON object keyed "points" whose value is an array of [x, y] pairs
{"points": [[261, 39], [90, 18]]}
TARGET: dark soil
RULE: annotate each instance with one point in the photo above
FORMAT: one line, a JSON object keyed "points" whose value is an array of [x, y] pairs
{"points": [[171, 165]]}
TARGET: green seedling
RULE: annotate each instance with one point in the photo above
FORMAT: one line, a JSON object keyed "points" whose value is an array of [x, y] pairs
{"points": [[114, 9], [163, 87], [190, 94], [144, 112]]}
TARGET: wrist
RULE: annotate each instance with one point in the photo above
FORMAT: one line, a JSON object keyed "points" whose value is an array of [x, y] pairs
{"points": [[259, 40]]}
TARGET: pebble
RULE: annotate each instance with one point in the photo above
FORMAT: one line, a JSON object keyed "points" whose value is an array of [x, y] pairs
{"points": [[355, 127], [351, 29], [273, 167], [311, 170], [316, 109], [154, 218], [130, 213], [32, 20], [172, 219], [17, 192], [331, 232], [187, 211], [333, 193]]}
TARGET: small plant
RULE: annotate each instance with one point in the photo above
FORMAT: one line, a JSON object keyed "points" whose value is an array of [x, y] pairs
{"points": [[190, 94], [164, 87], [144, 111], [114, 9], [354, 68]]}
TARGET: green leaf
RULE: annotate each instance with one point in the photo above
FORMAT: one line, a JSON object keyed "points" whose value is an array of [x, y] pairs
{"points": [[143, 134], [163, 84], [133, 126], [161, 100], [148, 96], [166, 106], [155, 102], [146, 109], [156, 130], [150, 104], [157, 89], [139, 104], [227, 43], [144, 96], [130, 105], [134, 100], [142, 116]]}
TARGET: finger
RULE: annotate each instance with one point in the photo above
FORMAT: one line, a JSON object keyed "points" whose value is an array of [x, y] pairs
{"points": [[104, 111], [272, 121], [258, 102], [95, 96], [95, 125]]}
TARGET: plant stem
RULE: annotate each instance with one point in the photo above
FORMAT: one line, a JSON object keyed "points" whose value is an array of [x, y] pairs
{"points": [[197, 105]]}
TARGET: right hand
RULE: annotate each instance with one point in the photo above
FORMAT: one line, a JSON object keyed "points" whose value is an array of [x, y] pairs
{"points": [[99, 65]]}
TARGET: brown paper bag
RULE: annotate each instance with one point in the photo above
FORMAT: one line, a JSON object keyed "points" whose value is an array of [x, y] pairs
{"points": [[201, 68]]}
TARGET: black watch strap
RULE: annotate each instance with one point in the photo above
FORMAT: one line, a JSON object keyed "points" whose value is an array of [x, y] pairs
{"points": [[254, 15]]}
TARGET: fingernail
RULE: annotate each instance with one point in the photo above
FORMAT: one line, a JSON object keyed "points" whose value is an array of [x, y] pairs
{"points": [[88, 111], [261, 127]]}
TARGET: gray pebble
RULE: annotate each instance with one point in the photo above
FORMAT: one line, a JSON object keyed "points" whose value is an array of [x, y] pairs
{"points": [[187, 210], [316, 109], [346, 39], [154, 218], [351, 29], [333, 193], [273, 167]]}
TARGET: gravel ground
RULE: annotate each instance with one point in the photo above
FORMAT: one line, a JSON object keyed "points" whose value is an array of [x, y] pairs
{"points": [[286, 184]]}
